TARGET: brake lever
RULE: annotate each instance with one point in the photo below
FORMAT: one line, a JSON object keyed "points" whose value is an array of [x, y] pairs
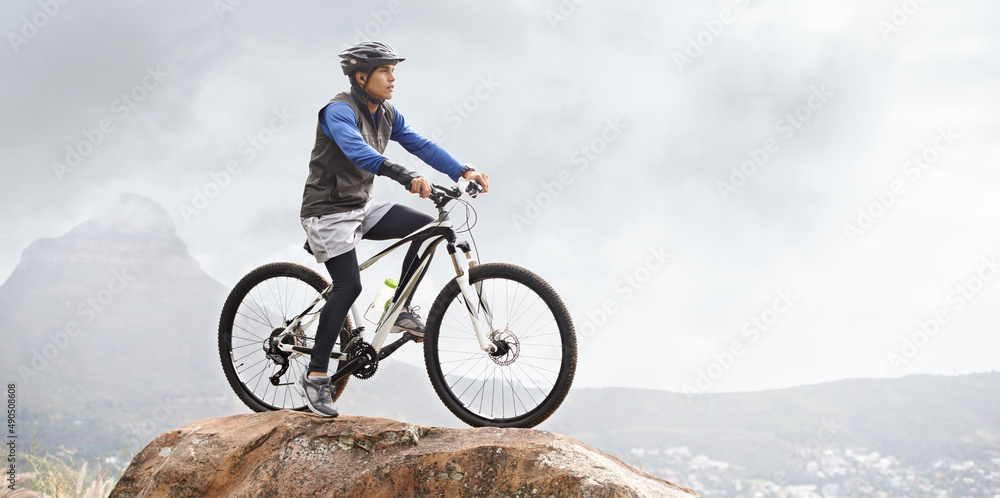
{"points": [[473, 189]]}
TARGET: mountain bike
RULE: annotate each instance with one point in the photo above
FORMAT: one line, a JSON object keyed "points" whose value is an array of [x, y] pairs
{"points": [[499, 344]]}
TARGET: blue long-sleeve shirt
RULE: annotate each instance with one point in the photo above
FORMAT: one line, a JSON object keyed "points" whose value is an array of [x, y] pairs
{"points": [[338, 122]]}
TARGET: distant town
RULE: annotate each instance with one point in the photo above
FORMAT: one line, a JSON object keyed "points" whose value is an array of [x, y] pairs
{"points": [[830, 473]]}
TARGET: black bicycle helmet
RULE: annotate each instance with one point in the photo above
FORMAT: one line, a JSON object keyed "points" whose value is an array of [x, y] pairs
{"points": [[366, 55]]}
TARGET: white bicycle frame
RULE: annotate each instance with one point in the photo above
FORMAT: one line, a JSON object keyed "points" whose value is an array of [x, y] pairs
{"points": [[441, 231]]}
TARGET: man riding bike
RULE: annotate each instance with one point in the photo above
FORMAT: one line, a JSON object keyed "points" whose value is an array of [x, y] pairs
{"points": [[337, 208]]}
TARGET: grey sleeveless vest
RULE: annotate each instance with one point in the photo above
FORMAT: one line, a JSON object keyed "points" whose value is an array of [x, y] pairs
{"points": [[335, 184]]}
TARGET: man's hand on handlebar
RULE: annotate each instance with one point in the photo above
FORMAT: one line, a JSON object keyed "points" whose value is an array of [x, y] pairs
{"points": [[479, 177], [421, 187]]}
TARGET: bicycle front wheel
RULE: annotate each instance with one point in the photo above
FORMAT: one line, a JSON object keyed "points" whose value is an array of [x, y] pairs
{"points": [[527, 378], [258, 309]]}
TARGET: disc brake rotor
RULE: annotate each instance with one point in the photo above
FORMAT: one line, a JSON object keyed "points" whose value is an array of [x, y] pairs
{"points": [[508, 347]]}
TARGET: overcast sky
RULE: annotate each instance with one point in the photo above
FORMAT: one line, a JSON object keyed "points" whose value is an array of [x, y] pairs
{"points": [[724, 193]]}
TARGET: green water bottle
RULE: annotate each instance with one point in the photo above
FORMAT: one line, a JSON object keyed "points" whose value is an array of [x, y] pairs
{"points": [[381, 302]]}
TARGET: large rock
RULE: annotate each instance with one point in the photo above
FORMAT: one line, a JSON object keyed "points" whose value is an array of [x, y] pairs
{"points": [[287, 453]]}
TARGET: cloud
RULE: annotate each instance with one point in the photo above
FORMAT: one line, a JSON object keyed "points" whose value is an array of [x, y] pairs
{"points": [[559, 77]]}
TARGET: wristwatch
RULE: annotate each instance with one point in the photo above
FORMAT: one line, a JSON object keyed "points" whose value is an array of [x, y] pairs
{"points": [[465, 169]]}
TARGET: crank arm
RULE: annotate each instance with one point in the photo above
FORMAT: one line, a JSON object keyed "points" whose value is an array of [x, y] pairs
{"points": [[349, 368]]}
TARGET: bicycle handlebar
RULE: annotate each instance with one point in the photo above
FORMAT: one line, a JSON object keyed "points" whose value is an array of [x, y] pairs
{"points": [[443, 195]]}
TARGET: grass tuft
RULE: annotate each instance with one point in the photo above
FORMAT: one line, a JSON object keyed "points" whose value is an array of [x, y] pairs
{"points": [[54, 476]]}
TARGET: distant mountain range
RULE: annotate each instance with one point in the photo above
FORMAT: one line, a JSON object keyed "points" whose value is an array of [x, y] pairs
{"points": [[109, 333], [917, 419]]}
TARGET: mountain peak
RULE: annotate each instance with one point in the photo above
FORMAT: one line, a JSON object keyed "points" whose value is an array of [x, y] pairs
{"points": [[134, 232], [132, 214]]}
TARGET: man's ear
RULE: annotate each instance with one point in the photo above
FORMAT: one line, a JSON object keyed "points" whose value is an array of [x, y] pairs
{"points": [[358, 78]]}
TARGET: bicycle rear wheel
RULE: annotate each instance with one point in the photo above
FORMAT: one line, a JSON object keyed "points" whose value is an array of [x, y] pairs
{"points": [[524, 382], [261, 305]]}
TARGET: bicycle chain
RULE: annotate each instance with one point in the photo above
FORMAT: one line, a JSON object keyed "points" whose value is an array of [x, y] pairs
{"points": [[362, 348]]}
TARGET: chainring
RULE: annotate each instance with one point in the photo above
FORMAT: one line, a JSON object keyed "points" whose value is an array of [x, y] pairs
{"points": [[363, 349]]}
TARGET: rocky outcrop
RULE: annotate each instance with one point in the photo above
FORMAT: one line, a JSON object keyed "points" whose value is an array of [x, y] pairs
{"points": [[289, 453]]}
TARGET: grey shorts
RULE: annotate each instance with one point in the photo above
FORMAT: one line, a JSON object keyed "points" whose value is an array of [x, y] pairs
{"points": [[334, 234]]}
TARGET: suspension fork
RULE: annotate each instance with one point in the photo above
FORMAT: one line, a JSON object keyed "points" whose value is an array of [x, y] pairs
{"points": [[471, 292]]}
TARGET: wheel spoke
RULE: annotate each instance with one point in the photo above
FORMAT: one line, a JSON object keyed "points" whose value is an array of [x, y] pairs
{"points": [[259, 300], [252, 319]]}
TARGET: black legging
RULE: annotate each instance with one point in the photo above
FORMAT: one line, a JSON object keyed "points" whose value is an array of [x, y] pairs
{"points": [[398, 222]]}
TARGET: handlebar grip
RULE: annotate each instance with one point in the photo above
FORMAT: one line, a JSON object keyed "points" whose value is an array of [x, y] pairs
{"points": [[474, 188]]}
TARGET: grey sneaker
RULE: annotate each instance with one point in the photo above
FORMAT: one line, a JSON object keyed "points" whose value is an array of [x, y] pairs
{"points": [[319, 395], [409, 321]]}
